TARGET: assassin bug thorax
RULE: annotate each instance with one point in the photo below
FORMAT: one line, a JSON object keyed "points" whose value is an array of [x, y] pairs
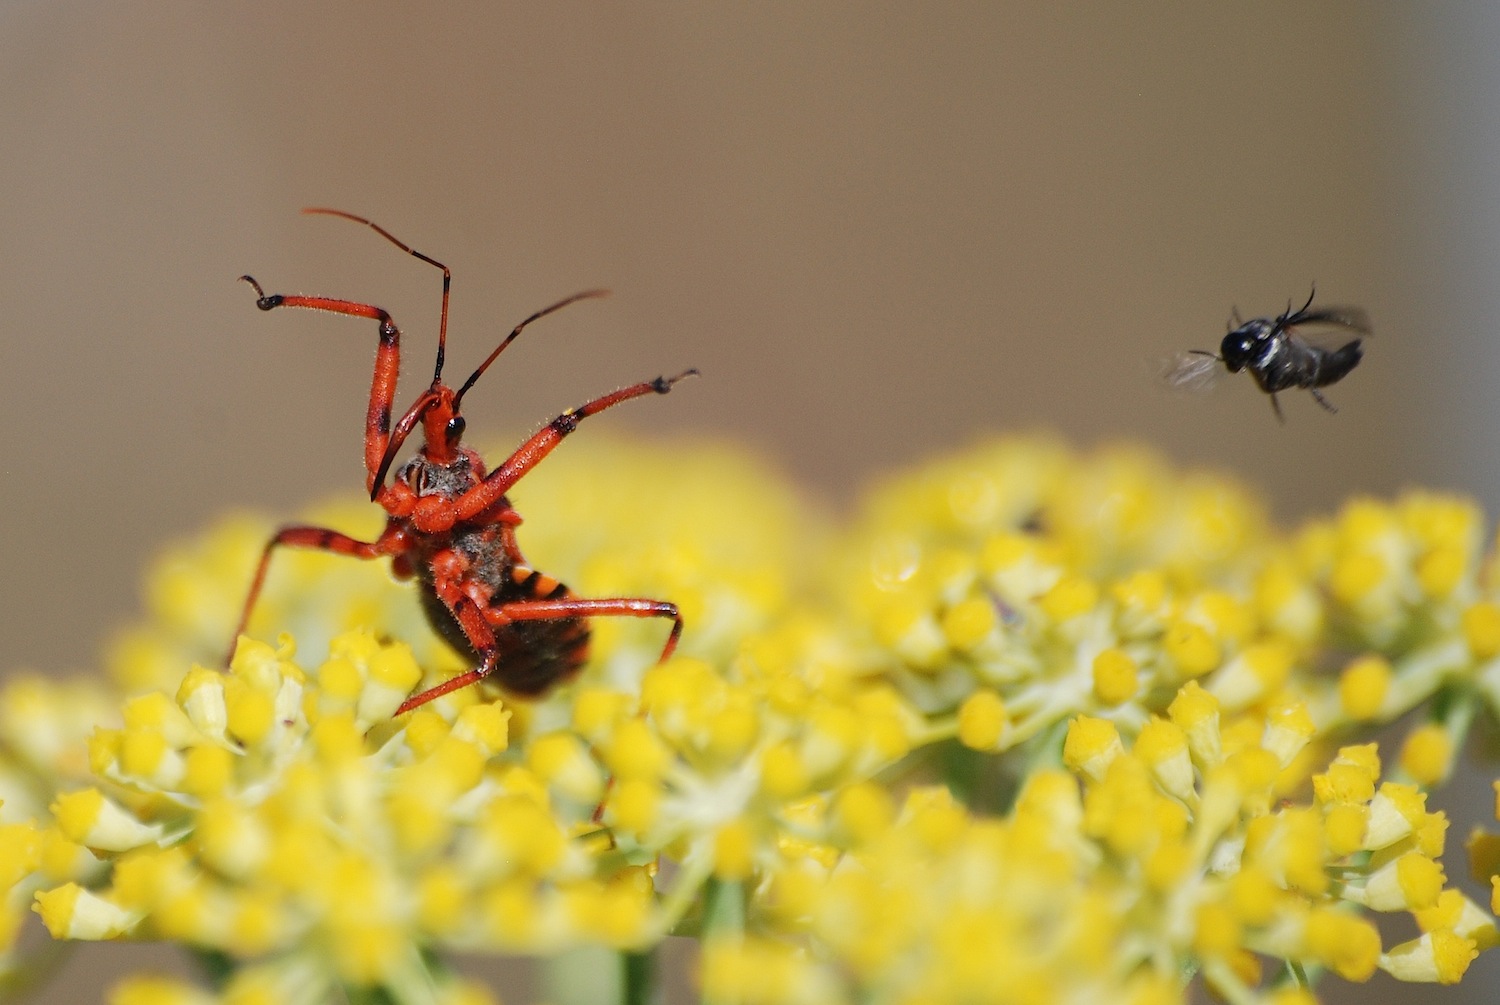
{"points": [[450, 524]]}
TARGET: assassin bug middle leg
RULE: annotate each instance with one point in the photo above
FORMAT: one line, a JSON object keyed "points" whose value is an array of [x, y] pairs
{"points": [[449, 522]]}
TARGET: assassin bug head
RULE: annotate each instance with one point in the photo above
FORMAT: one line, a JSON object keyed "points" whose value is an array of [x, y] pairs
{"points": [[438, 407]]}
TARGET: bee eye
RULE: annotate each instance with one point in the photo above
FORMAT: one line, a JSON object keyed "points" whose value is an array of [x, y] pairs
{"points": [[456, 427]]}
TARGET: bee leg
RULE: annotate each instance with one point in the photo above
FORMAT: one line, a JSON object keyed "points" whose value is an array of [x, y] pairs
{"points": [[1276, 407], [1322, 400]]}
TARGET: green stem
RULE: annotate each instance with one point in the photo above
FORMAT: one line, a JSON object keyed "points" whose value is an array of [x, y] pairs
{"points": [[723, 920], [217, 966], [361, 995], [639, 976], [1456, 711], [724, 910], [584, 975]]}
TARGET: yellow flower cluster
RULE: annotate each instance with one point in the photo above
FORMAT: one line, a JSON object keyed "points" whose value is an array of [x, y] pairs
{"points": [[1017, 584], [1176, 855], [1118, 673], [271, 813], [1036, 584]]}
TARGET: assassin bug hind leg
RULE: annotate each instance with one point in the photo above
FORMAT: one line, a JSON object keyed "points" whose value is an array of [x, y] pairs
{"points": [[533, 677]]}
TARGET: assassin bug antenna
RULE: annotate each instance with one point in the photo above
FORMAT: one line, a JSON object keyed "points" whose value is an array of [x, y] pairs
{"points": [[431, 398], [419, 409], [458, 395], [437, 373], [449, 523]]}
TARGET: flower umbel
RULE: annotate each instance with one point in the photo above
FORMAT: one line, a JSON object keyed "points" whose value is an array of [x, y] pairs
{"points": [[1038, 722]]}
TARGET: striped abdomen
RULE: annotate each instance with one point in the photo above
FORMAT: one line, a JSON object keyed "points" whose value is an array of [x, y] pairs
{"points": [[534, 656]]}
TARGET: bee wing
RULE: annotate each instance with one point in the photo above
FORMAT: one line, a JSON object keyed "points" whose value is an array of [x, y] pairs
{"points": [[1191, 371], [1330, 327]]}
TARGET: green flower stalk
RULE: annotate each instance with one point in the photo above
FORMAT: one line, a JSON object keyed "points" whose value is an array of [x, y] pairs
{"points": [[1037, 726]]}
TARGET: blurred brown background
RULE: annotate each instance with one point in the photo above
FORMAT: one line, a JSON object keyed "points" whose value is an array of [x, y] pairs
{"points": [[878, 233]]}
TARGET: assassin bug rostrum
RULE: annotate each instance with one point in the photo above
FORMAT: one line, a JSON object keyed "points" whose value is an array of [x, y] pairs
{"points": [[450, 525]]}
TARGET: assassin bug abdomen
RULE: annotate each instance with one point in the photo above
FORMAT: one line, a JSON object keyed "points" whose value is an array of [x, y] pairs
{"points": [[450, 525]]}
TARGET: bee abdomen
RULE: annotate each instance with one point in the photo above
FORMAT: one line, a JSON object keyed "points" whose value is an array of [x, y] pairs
{"points": [[1337, 364]]}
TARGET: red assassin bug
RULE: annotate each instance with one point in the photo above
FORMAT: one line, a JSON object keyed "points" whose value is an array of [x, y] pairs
{"points": [[450, 524]]}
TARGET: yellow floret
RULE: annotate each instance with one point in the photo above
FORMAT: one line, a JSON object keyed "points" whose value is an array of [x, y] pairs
{"points": [[486, 725], [1349, 779], [969, 622], [71, 912], [635, 804], [442, 896], [62, 859], [1363, 686], [1427, 754], [1191, 649], [1090, 746], [1216, 930], [1440, 957], [1410, 882], [1257, 671], [1253, 895], [1440, 570], [1481, 625], [734, 851], [561, 760], [635, 751], [733, 728], [425, 729], [1142, 592], [88, 818], [864, 811], [1344, 826], [596, 710], [934, 817], [340, 679], [152, 990], [1163, 747], [1116, 677], [367, 950], [201, 696], [782, 771], [908, 627], [250, 712], [1350, 946], [1196, 713], [982, 720], [1396, 811], [1356, 575], [1070, 597]]}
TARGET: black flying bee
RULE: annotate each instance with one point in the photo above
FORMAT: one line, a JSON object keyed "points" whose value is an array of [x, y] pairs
{"points": [[1278, 356]]}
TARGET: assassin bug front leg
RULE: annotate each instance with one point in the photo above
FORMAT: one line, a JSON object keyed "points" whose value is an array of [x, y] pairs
{"points": [[450, 524]]}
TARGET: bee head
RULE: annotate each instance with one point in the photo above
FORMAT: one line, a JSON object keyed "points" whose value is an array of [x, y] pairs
{"points": [[1246, 343]]}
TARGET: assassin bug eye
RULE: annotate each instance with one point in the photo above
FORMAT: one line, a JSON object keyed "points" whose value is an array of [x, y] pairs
{"points": [[456, 427]]}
